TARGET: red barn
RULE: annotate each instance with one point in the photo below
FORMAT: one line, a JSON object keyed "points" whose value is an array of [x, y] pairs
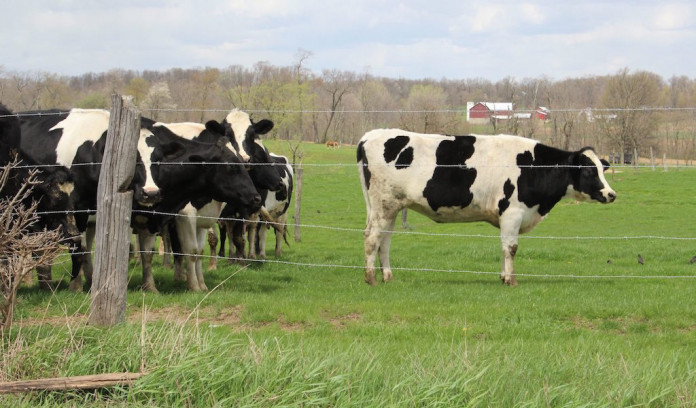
{"points": [[483, 111]]}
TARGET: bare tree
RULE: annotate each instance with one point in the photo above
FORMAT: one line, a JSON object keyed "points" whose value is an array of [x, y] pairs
{"points": [[336, 85], [424, 109], [632, 124], [21, 249]]}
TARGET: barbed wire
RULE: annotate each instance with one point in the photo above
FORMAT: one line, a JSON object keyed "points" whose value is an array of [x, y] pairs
{"points": [[412, 269], [402, 232]]}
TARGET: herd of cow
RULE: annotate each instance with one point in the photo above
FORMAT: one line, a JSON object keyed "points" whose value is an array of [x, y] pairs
{"points": [[189, 175]]}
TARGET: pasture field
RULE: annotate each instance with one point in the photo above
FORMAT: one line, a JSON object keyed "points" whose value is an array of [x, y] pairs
{"points": [[599, 329]]}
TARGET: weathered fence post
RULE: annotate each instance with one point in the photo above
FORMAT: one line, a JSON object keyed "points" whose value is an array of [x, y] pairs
{"points": [[114, 201], [298, 199], [664, 160], [652, 159]]}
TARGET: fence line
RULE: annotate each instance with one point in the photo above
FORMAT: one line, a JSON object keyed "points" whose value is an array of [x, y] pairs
{"points": [[402, 232], [431, 270]]}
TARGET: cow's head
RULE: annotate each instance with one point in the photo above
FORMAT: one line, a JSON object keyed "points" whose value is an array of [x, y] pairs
{"points": [[244, 133], [589, 182], [230, 181], [145, 190]]}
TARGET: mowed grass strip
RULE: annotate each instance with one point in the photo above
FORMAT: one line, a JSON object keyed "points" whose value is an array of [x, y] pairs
{"points": [[596, 329]]}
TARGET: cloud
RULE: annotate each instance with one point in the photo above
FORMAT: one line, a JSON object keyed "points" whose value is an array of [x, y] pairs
{"points": [[674, 17], [456, 39]]}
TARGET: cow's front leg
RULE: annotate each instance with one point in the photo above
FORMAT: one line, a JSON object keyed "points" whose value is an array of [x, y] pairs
{"points": [[147, 250], [252, 229], [212, 243], [201, 238], [509, 231], [191, 277]]}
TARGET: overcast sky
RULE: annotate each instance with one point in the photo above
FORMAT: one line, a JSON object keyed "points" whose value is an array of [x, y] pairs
{"points": [[407, 39]]}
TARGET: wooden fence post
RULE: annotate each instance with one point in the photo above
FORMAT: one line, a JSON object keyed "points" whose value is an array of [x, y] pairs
{"points": [[298, 199], [114, 202]]}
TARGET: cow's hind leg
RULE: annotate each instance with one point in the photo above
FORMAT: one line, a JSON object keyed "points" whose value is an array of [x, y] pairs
{"points": [[376, 225], [385, 244], [509, 232]]}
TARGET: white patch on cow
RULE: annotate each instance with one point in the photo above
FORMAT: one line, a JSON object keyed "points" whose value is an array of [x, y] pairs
{"points": [[240, 122], [145, 151], [192, 226], [79, 126], [66, 188], [189, 131]]}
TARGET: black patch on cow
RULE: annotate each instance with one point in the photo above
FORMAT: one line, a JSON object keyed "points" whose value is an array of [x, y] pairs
{"points": [[504, 203], [405, 158], [540, 182], [362, 158], [393, 147], [451, 181]]}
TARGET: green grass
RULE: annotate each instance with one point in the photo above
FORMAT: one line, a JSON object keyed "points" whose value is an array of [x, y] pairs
{"points": [[595, 333]]}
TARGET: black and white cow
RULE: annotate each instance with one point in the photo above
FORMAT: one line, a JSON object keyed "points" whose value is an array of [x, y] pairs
{"points": [[75, 139], [244, 137], [195, 194], [54, 184], [192, 222], [276, 204], [507, 181]]}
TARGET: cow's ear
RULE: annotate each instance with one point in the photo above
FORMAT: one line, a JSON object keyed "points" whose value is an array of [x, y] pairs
{"points": [[263, 126], [222, 142], [605, 164], [574, 159], [172, 150], [215, 126]]}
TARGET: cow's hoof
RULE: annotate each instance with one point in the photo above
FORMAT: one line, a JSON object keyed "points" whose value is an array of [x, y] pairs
{"points": [[75, 285], [150, 288], [509, 280], [47, 286], [387, 276]]}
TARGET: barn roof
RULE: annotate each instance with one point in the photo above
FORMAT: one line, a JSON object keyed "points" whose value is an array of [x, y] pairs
{"points": [[497, 106]]}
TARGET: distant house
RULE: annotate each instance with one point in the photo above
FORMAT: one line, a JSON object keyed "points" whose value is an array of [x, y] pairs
{"points": [[483, 112], [591, 116]]}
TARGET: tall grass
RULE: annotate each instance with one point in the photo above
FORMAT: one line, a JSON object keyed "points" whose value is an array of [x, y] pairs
{"points": [[596, 333]]}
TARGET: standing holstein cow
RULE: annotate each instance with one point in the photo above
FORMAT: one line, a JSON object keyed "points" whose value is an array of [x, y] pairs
{"points": [[75, 140], [277, 204], [193, 221], [52, 189], [508, 181], [192, 176]]}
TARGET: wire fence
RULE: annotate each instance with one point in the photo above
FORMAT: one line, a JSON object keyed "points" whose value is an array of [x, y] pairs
{"points": [[356, 229]]}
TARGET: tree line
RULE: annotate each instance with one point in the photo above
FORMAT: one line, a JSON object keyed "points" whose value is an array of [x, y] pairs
{"points": [[340, 105]]}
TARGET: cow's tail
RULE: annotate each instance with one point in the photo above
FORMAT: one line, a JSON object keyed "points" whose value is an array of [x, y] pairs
{"points": [[363, 171]]}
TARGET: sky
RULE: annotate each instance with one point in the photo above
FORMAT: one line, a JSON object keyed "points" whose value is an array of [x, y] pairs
{"points": [[398, 39]]}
